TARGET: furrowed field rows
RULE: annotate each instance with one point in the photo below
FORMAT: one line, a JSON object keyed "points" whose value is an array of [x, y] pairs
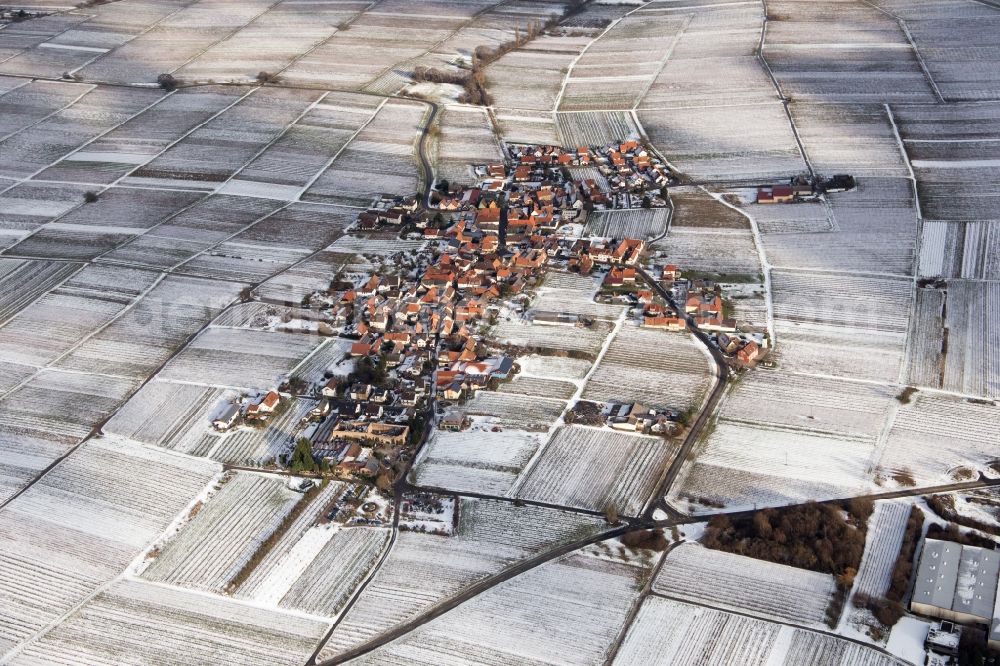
{"points": [[596, 128], [936, 435], [574, 294], [424, 569], [328, 582], [259, 583], [80, 526], [724, 580], [218, 542], [475, 461], [155, 623], [633, 223], [590, 468], [667, 633], [501, 624], [516, 411], [882, 543], [656, 368]]}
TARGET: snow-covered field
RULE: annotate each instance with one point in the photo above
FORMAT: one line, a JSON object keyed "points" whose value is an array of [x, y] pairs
{"points": [[548, 339], [222, 538], [151, 623], [594, 468], [653, 367], [569, 609], [510, 410], [628, 223], [573, 293], [423, 569], [745, 585], [82, 524], [886, 527], [672, 633], [475, 461]]}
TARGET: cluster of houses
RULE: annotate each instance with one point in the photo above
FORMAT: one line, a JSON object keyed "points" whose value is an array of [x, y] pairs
{"points": [[704, 308], [392, 212], [634, 417], [545, 186], [255, 411]]}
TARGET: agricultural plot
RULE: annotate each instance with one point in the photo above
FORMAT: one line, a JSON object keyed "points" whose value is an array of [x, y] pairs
{"points": [[955, 159], [376, 52], [882, 543], [137, 141], [169, 43], [216, 150], [596, 128], [733, 582], [822, 319], [23, 281], [874, 61], [466, 138], [145, 337], [655, 368], [27, 206], [597, 80], [57, 322], [477, 461], [548, 340], [169, 415], [538, 386], [81, 524], [328, 582], [96, 112], [752, 465], [272, 244], [191, 231], [424, 569], [328, 359], [593, 468], [972, 359], [669, 633], [957, 46], [291, 163], [627, 223], [305, 277], [45, 414], [871, 228], [713, 60], [553, 367], [154, 623], [383, 244], [520, 412], [239, 358], [926, 355], [696, 208], [672, 633], [527, 126], [270, 42], [539, 616], [574, 294], [531, 79], [935, 435], [849, 138], [967, 250], [726, 143], [292, 552], [379, 160], [89, 230], [835, 407], [729, 252], [24, 104], [212, 549]]}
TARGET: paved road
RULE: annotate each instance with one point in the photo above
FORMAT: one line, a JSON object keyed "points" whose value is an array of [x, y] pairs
{"points": [[696, 428]]}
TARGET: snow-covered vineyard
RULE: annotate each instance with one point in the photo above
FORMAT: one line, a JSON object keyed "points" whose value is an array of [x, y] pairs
{"points": [[279, 387]]}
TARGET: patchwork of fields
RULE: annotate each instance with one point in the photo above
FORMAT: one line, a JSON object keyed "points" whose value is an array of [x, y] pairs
{"points": [[178, 175]]}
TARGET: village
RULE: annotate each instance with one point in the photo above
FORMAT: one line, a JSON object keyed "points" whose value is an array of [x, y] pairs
{"points": [[418, 340]]}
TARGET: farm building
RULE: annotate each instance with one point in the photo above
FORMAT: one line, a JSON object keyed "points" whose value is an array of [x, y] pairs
{"points": [[957, 583]]}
